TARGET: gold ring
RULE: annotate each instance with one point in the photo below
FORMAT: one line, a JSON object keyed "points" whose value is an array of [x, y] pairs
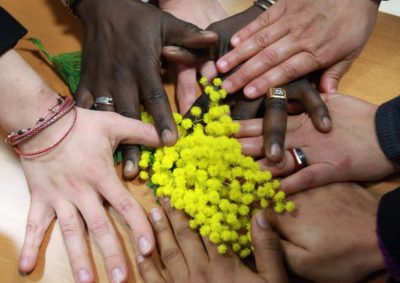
{"points": [[279, 93]]}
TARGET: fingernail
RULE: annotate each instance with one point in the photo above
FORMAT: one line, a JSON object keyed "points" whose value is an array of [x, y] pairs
{"points": [[139, 259], [167, 137], [24, 262], [83, 275], [261, 221], [128, 166], [235, 40], [155, 214], [172, 48], [250, 91], [222, 64], [227, 85], [144, 246], [117, 276], [207, 32], [275, 149], [326, 122]]}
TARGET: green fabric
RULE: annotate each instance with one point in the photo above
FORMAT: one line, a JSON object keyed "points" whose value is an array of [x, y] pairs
{"points": [[68, 65]]}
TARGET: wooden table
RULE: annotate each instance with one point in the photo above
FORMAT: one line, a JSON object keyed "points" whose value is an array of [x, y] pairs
{"points": [[375, 77]]}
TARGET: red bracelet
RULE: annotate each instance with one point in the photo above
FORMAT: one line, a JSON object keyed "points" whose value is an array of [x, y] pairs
{"points": [[64, 105], [49, 148]]}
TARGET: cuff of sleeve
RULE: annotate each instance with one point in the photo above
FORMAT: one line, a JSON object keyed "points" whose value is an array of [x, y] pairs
{"points": [[388, 231], [387, 122], [10, 31]]}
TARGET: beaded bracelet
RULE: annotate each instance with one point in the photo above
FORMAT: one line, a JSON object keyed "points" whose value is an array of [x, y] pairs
{"points": [[63, 106], [49, 148]]}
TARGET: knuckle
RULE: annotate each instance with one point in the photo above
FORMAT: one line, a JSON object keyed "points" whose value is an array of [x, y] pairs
{"points": [[31, 227], [124, 207], [69, 229], [261, 39], [170, 255], [343, 163], [183, 232], [289, 71], [155, 96], [187, 88], [276, 135], [270, 243], [99, 227], [308, 177], [269, 57], [264, 19], [277, 105], [111, 256]]}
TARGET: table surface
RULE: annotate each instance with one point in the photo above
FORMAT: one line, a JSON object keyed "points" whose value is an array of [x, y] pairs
{"points": [[373, 77]]}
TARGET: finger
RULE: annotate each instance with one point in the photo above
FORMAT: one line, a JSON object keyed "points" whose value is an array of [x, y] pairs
{"points": [[127, 104], [331, 77], [283, 168], [251, 46], [148, 270], [103, 232], [183, 34], [171, 253], [253, 146], [129, 131], [314, 105], [275, 121], [184, 56], [266, 19], [39, 218], [186, 87], [245, 108], [132, 212], [72, 229], [309, 177], [84, 98], [267, 250], [189, 241], [250, 128], [208, 70], [287, 71], [265, 60], [157, 104]]}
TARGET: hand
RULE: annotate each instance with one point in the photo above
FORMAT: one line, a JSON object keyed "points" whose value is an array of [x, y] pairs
{"points": [[301, 92], [331, 236], [121, 59], [188, 258], [350, 152], [296, 37], [70, 183], [207, 12]]}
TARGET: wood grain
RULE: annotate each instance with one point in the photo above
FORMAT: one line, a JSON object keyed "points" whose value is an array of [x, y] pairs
{"points": [[373, 77]]}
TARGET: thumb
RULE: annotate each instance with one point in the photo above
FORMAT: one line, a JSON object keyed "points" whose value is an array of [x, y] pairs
{"points": [[130, 131], [331, 77], [267, 250]]}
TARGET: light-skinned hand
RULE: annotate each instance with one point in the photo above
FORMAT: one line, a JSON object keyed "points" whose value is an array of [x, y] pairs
{"points": [[296, 37]]}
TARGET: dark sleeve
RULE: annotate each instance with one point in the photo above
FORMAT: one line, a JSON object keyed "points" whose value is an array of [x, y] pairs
{"points": [[10, 31], [387, 122], [388, 230]]}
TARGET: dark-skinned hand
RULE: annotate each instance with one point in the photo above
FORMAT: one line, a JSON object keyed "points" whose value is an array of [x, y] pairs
{"points": [[301, 94], [121, 59]]}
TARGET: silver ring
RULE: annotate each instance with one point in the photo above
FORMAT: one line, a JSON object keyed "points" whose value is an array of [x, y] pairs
{"points": [[103, 100], [300, 159]]}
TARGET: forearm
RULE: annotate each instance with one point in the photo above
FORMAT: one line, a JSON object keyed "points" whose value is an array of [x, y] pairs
{"points": [[23, 94]]}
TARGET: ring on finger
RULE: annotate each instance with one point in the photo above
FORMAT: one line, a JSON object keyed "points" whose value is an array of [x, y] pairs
{"points": [[300, 159], [278, 93], [103, 100]]}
